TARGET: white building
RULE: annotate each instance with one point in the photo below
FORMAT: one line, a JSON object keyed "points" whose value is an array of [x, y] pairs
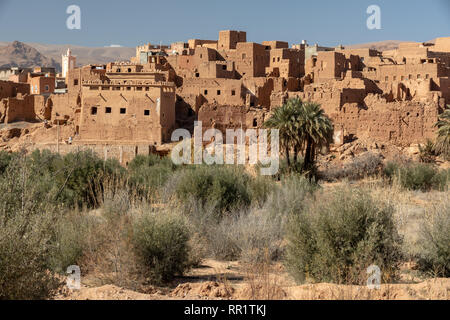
{"points": [[68, 63]]}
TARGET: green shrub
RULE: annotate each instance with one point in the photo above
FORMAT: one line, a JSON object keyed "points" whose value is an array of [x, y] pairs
{"points": [[296, 167], [335, 238], [252, 234], [226, 188], [426, 152], [147, 174], [5, 159], [417, 176], [27, 223], [434, 256], [161, 243], [390, 170], [69, 241], [259, 188]]}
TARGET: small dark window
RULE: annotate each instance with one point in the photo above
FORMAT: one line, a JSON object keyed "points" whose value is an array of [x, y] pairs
{"points": [[218, 92], [129, 88], [123, 110], [146, 112], [197, 74], [255, 122], [233, 92], [94, 110], [139, 88], [206, 92], [75, 82], [118, 69], [108, 110], [224, 67], [129, 69]]}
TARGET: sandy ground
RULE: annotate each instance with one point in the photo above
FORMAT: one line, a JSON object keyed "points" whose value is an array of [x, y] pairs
{"points": [[231, 280]]}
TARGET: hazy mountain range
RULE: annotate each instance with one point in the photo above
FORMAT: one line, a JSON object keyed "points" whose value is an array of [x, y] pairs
{"points": [[36, 54], [13, 54]]}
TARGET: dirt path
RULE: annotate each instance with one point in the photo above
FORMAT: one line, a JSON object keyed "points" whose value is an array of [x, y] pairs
{"points": [[230, 280]]}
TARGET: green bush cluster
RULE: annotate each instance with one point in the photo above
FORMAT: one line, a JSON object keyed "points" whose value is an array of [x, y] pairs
{"points": [[161, 243], [336, 239], [417, 176], [434, 240], [224, 188], [26, 227], [219, 211], [147, 174]]}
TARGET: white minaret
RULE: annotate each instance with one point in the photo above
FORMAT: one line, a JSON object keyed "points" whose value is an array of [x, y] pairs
{"points": [[68, 63]]}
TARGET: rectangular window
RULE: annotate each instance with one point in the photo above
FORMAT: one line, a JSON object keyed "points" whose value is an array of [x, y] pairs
{"points": [[146, 112], [205, 92], [108, 110], [123, 110], [46, 88], [139, 88], [129, 88], [233, 92], [75, 82], [427, 76], [418, 76], [94, 110], [218, 92]]}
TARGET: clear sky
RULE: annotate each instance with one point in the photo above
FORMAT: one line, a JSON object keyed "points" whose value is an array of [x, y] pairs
{"points": [[133, 22]]}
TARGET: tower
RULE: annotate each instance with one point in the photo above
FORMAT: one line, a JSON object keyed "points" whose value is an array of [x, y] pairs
{"points": [[68, 63]]}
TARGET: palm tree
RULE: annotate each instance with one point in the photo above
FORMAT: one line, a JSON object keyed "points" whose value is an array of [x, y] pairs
{"points": [[283, 118], [314, 130], [303, 127], [442, 144]]}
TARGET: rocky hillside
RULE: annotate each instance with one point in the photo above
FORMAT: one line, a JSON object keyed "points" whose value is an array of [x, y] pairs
{"points": [[85, 55], [380, 45], [18, 54]]}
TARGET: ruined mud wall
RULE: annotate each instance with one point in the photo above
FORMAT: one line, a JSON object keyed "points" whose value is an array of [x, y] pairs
{"points": [[224, 117], [400, 123]]}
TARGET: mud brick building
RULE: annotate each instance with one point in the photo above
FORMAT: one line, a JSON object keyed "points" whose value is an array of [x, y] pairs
{"points": [[388, 97]]}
